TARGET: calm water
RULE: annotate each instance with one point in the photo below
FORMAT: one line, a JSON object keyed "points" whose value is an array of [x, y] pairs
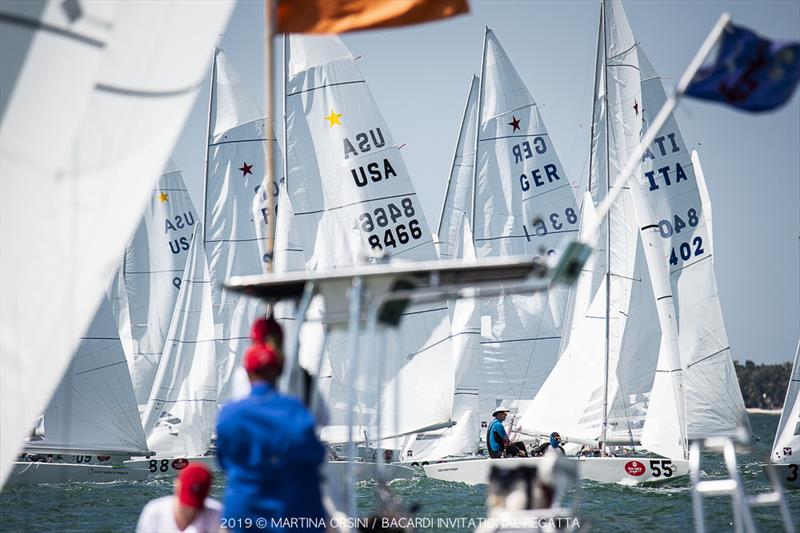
{"points": [[115, 507]]}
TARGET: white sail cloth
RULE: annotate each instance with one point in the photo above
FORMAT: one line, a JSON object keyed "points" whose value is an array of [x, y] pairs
{"points": [[152, 273], [786, 448], [114, 90], [94, 409], [181, 408], [350, 193], [674, 225], [523, 205], [237, 231], [620, 323]]}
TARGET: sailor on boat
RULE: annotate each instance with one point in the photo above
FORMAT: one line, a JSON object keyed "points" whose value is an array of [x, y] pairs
{"points": [[497, 440], [267, 445], [189, 509], [552, 445]]}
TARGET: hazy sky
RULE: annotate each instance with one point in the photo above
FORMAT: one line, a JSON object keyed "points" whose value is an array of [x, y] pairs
{"points": [[420, 77]]}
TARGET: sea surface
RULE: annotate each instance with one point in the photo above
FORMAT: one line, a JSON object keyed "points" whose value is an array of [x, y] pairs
{"points": [[115, 507]]}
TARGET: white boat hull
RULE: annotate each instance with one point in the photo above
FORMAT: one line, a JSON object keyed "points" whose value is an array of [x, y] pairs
{"points": [[366, 470], [788, 473], [623, 470], [29, 473]]}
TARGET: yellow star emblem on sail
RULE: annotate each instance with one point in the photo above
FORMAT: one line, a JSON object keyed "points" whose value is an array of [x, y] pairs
{"points": [[163, 197], [333, 118]]}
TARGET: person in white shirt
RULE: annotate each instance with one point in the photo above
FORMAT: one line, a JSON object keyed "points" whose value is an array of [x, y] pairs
{"points": [[189, 510]]}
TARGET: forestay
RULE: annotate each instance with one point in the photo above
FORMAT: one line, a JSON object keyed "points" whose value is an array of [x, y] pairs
{"points": [[94, 409], [351, 194], [786, 448], [236, 236], [109, 130], [523, 205], [673, 222], [181, 408], [152, 273]]}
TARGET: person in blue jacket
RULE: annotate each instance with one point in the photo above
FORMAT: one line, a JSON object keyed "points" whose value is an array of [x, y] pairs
{"points": [[496, 438], [269, 450]]}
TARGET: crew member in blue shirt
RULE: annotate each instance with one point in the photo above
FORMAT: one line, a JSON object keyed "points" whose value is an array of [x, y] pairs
{"points": [[269, 450], [496, 438]]}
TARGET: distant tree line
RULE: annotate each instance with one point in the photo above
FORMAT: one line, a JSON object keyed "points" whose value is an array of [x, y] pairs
{"points": [[763, 386]]}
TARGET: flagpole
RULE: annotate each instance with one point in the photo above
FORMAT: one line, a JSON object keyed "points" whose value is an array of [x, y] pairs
{"points": [[590, 235], [269, 29]]}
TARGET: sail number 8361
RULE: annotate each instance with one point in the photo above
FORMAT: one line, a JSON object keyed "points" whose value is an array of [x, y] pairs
{"points": [[382, 228]]}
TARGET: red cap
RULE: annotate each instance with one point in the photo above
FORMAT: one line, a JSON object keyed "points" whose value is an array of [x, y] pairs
{"points": [[260, 356], [195, 483], [266, 327]]}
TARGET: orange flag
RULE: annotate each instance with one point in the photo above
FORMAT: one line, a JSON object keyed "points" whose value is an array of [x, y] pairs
{"points": [[339, 16]]}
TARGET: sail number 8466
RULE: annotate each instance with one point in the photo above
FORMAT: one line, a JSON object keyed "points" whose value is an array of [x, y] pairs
{"points": [[383, 229]]}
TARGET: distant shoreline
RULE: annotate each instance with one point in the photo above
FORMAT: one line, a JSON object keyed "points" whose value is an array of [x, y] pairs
{"points": [[759, 411]]}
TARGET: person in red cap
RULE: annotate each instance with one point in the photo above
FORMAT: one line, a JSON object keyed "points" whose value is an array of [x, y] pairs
{"points": [[268, 447], [189, 510]]}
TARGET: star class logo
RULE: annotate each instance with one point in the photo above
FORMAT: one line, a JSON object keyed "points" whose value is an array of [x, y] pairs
{"points": [[246, 169], [514, 123], [163, 197], [334, 118]]}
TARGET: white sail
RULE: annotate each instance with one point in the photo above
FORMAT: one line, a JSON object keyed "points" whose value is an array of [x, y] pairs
{"points": [[113, 89], [152, 273], [236, 234], [673, 223], [457, 207], [620, 325], [351, 193], [786, 448], [523, 205], [94, 408], [181, 409]]}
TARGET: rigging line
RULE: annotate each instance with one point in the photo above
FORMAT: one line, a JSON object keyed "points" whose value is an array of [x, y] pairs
{"points": [[242, 141], [521, 136], [568, 184], [423, 243], [17, 20]]}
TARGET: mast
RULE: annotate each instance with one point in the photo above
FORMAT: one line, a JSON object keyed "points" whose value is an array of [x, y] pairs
{"points": [[285, 131], [455, 155], [478, 129], [604, 427], [208, 138]]}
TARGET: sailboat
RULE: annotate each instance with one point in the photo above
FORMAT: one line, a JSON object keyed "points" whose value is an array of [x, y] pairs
{"points": [[109, 132], [91, 418], [516, 200], [369, 212], [632, 388], [785, 456]]}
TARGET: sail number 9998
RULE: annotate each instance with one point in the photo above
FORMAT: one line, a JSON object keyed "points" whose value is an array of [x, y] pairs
{"points": [[391, 225]]}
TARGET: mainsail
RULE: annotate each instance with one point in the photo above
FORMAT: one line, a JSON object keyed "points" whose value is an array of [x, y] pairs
{"points": [[152, 273], [109, 131], [181, 408], [523, 204], [93, 409], [786, 448], [236, 236], [610, 361], [350, 196]]}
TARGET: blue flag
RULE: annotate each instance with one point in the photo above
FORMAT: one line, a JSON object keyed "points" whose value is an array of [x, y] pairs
{"points": [[751, 73]]}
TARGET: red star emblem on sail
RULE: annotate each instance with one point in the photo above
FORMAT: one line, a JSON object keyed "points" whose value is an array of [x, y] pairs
{"points": [[514, 123], [246, 169], [636, 107]]}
